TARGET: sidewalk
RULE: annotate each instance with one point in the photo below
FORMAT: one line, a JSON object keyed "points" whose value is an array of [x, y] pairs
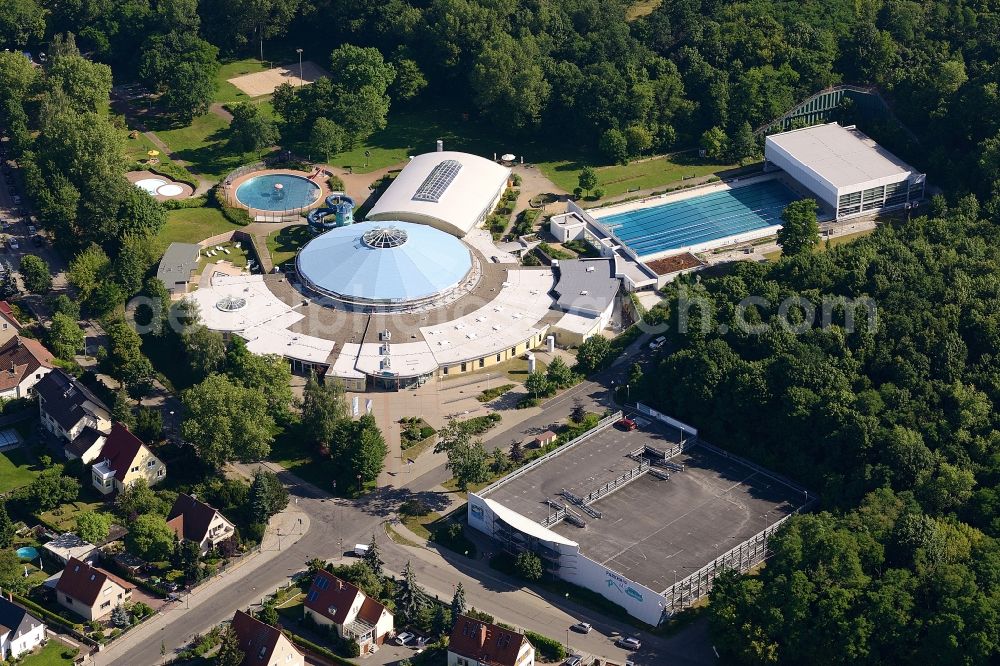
{"points": [[284, 529]]}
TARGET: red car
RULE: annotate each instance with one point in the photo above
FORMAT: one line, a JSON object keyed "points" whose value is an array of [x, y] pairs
{"points": [[627, 424]]}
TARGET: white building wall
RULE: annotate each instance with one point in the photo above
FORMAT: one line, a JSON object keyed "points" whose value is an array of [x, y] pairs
{"points": [[638, 600], [27, 642], [800, 173]]}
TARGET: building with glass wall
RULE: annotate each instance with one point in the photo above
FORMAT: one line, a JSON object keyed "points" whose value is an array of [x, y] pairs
{"points": [[848, 172]]}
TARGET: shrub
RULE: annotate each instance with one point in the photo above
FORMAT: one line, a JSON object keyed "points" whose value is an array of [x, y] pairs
{"points": [[237, 216], [599, 193], [528, 566], [199, 201], [548, 649]]}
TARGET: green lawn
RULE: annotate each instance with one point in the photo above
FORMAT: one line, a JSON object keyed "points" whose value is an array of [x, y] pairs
{"points": [[204, 145], [136, 149], [237, 256], [646, 174], [64, 517], [284, 244], [835, 241], [192, 225], [52, 654], [15, 470]]}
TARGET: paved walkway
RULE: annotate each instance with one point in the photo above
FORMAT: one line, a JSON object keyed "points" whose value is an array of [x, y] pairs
{"points": [[358, 185], [220, 110]]}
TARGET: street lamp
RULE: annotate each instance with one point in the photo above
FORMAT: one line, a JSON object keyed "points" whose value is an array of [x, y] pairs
{"points": [[359, 483], [299, 51]]}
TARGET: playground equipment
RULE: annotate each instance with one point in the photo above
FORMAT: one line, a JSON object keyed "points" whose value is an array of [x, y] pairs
{"points": [[338, 212]]}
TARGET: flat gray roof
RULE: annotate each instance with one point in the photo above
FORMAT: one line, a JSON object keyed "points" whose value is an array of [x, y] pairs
{"points": [[651, 528], [177, 263], [842, 156], [586, 284]]}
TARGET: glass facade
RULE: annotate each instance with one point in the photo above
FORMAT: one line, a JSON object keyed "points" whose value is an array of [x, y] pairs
{"points": [[882, 197]]}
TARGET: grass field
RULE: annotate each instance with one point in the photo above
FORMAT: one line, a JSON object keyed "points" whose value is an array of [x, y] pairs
{"points": [[641, 175], [837, 240], [64, 516], [192, 225], [136, 149], [15, 470], [237, 256], [284, 244], [51, 654], [204, 145]]}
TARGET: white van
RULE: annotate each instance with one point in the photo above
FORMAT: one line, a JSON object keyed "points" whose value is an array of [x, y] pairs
{"points": [[360, 549]]}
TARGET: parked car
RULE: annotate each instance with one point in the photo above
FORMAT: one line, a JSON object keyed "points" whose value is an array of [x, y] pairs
{"points": [[360, 549], [404, 638], [628, 643], [17, 200], [31, 229], [13, 244], [658, 342], [581, 627], [627, 424], [573, 660]]}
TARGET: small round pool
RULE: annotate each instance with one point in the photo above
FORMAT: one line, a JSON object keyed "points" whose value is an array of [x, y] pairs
{"points": [[27, 553], [279, 191]]}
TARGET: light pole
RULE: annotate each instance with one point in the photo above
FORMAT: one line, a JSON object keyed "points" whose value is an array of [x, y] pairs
{"points": [[299, 51]]}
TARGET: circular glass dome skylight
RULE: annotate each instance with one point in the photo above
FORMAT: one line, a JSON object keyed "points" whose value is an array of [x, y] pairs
{"points": [[383, 237], [231, 303]]}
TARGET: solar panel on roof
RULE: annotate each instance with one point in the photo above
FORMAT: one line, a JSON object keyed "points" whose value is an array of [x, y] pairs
{"points": [[437, 181]]}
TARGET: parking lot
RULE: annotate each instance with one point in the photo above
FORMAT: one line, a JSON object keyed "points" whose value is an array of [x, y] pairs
{"points": [[651, 530]]}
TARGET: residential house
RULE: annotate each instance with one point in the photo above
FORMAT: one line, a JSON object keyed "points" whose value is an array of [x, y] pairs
{"points": [[263, 645], [20, 631], [9, 325], [87, 445], [91, 592], [478, 643], [68, 546], [337, 603], [23, 363], [66, 407], [123, 460], [193, 520]]}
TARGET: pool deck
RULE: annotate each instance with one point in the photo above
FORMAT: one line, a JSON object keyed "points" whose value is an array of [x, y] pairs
{"points": [[672, 197], [186, 190], [601, 214], [318, 177]]}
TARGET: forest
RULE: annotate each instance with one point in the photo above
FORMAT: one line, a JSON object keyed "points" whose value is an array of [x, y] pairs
{"points": [[893, 424]]}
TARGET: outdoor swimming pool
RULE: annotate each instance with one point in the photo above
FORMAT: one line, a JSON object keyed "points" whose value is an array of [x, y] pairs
{"points": [[27, 553], [701, 219], [279, 191]]}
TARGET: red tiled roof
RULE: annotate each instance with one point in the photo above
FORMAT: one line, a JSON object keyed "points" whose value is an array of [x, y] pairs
{"points": [[256, 639], [84, 582], [190, 518], [120, 450], [328, 592], [8, 314], [485, 642], [371, 611], [19, 358]]}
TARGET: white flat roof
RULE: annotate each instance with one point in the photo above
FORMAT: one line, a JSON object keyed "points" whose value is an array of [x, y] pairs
{"points": [[841, 156], [509, 319], [460, 200], [261, 305]]}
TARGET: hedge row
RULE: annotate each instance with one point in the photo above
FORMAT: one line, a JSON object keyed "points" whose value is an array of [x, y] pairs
{"points": [[326, 653], [548, 648], [54, 618], [175, 172], [237, 216], [199, 201]]}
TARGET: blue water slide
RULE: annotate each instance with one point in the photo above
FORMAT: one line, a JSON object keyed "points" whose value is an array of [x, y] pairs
{"points": [[338, 212]]}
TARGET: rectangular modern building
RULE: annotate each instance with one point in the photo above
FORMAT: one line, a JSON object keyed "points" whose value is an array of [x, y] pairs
{"points": [[846, 170]]}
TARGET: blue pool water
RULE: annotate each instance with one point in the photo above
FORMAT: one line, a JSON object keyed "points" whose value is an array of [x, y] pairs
{"points": [[701, 219], [27, 553], [295, 192]]}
